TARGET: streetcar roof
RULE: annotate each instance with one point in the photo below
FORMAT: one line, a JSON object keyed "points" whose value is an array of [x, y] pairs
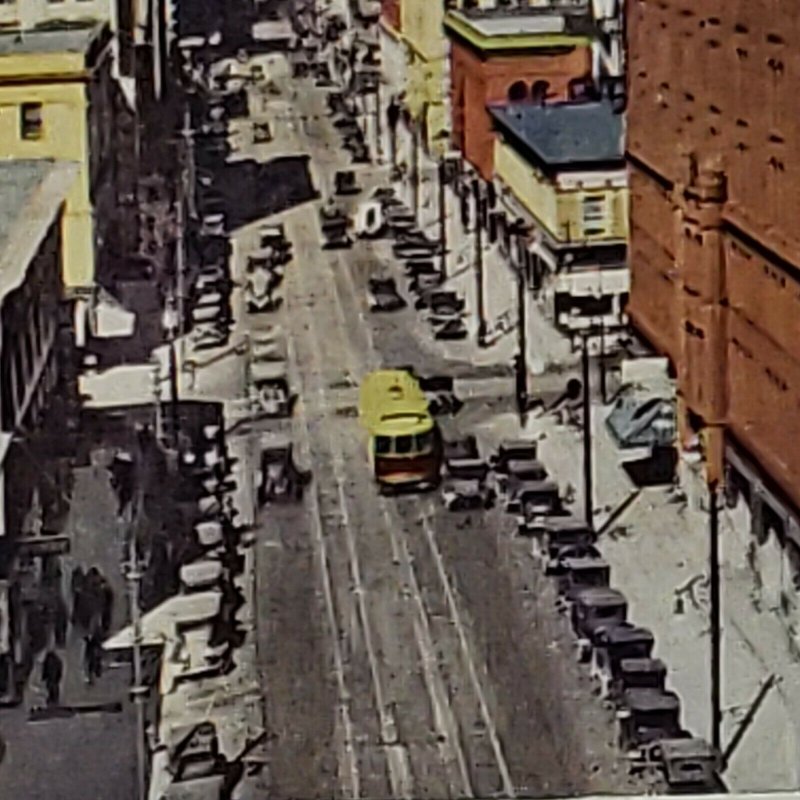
{"points": [[402, 425], [392, 403]]}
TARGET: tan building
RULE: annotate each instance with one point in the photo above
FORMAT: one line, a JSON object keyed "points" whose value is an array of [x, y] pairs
{"points": [[33, 202], [57, 101], [561, 170], [714, 153]]}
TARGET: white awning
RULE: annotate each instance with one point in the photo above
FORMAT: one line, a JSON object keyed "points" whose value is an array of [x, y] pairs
{"points": [[110, 320], [158, 625]]}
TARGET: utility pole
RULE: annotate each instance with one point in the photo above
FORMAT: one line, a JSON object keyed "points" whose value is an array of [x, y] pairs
{"points": [[173, 389], [415, 170], [479, 208], [522, 365], [378, 130], [715, 613], [442, 219], [587, 433], [138, 690], [603, 392]]}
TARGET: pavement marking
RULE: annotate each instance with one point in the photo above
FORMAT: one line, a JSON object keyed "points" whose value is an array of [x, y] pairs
{"points": [[350, 760]]}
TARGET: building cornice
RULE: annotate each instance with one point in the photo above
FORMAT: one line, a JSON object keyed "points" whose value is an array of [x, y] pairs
{"points": [[459, 26]]}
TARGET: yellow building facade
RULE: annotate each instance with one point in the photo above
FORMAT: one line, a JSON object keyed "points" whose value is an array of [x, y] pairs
{"points": [[589, 208], [420, 31], [56, 103]]}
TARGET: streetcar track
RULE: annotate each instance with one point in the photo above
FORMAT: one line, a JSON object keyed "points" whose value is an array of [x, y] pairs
{"points": [[396, 755], [502, 766], [324, 565], [400, 547]]}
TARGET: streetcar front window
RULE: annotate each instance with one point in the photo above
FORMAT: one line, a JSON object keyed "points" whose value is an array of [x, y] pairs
{"points": [[424, 441], [403, 444], [383, 445]]}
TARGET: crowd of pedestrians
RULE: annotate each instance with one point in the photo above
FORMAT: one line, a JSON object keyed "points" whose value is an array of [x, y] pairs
{"points": [[92, 609]]}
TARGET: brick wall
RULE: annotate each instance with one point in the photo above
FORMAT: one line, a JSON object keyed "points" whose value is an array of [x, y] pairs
{"points": [[475, 83]]}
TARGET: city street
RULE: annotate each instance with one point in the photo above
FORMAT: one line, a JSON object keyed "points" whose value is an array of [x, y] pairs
{"points": [[408, 652]]}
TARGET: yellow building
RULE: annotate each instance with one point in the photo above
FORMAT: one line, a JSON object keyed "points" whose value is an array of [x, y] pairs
{"points": [[561, 168], [56, 102], [416, 26]]}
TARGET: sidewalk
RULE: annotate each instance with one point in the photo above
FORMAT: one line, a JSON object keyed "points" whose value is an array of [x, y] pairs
{"points": [[658, 547], [546, 347], [71, 757]]}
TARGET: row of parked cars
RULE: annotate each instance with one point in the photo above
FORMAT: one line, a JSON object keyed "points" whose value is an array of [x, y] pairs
{"points": [[385, 215], [343, 111], [209, 246], [619, 653]]}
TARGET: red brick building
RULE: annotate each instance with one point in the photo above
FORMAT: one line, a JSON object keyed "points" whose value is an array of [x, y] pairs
{"points": [[390, 11], [529, 54], [714, 151]]}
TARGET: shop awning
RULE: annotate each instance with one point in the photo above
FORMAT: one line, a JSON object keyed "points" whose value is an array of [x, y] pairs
{"points": [[158, 625]]}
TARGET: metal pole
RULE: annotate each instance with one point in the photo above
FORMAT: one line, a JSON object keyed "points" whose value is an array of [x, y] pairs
{"points": [[603, 393], [138, 690], [479, 205], [522, 366], [415, 171], [173, 388], [587, 433], [378, 130], [442, 221], [716, 628]]}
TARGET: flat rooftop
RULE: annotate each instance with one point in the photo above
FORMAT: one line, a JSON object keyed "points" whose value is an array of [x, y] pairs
{"points": [[62, 37], [563, 134], [31, 191], [507, 28]]}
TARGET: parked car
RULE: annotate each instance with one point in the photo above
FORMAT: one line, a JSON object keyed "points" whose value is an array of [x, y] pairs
{"points": [[454, 329], [638, 419], [384, 295], [464, 486], [212, 224], [208, 334]]}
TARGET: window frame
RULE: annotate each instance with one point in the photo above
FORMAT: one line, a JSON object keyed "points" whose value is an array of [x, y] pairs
{"points": [[31, 130]]}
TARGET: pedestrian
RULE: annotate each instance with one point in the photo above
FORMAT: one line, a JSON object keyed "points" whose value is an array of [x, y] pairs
{"points": [[106, 604], [92, 657], [92, 597], [52, 672], [77, 584], [60, 621]]}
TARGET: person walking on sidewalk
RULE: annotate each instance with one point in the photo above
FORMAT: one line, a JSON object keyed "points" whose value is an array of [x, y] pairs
{"points": [[106, 598], [92, 657], [52, 673], [79, 605], [93, 598]]}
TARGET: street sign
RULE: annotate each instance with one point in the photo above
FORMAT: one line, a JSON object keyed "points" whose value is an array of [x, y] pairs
{"points": [[45, 545]]}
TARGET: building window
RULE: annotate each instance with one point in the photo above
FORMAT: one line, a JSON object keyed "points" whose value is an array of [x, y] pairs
{"points": [[30, 119], [539, 92], [594, 215], [518, 92]]}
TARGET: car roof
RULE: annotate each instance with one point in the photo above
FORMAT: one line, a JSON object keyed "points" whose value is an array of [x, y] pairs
{"points": [[651, 700]]}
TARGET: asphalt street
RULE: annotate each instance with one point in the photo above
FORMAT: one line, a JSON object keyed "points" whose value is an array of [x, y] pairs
{"points": [[408, 651]]}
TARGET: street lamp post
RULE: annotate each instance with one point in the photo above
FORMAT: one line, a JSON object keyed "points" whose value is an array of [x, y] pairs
{"points": [[138, 689], [716, 624], [442, 219], [171, 322], [480, 205], [378, 128], [587, 432], [522, 365], [415, 178]]}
